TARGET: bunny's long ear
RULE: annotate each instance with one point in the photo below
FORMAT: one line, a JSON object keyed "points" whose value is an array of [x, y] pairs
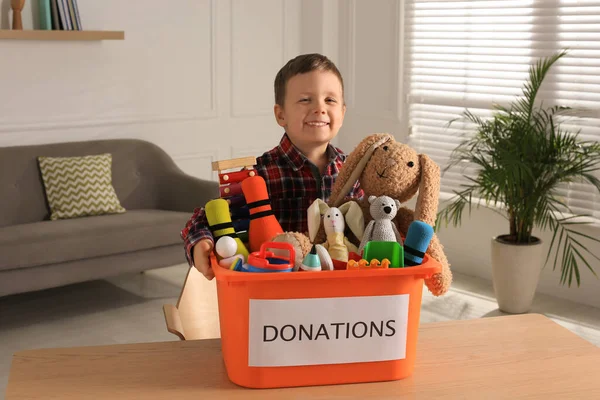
{"points": [[316, 209], [354, 218], [354, 166], [429, 191]]}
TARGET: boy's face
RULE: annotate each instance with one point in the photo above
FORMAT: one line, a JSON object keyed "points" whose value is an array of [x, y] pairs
{"points": [[313, 109]]}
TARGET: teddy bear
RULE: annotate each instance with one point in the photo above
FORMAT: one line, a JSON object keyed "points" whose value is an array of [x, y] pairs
{"points": [[383, 210], [385, 167]]}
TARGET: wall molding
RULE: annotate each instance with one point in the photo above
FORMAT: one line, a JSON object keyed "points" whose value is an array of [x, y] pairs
{"points": [[284, 38], [351, 51], [330, 29], [396, 112], [212, 154], [254, 151], [8, 126]]}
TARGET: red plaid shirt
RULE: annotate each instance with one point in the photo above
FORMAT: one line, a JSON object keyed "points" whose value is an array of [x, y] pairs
{"points": [[293, 183]]}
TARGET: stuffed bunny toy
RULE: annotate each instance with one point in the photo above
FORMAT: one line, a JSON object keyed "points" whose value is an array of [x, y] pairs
{"points": [[385, 167], [383, 210], [334, 223]]}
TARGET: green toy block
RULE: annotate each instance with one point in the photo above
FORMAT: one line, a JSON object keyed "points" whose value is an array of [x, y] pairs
{"points": [[393, 251]]}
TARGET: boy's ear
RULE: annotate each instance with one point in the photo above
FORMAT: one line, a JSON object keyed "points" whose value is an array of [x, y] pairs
{"points": [[343, 114], [279, 115]]}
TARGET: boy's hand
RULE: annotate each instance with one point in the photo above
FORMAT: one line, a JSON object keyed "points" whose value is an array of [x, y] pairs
{"points": [[201, 256]]}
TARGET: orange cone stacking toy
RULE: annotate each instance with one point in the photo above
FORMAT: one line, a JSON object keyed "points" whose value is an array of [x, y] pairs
{"points": [[220, 224], [263, 224]]}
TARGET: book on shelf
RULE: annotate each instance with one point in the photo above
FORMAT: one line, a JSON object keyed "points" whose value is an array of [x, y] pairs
{"points": [[54, 15], [45, 15], [64, 15], [74, 13]]}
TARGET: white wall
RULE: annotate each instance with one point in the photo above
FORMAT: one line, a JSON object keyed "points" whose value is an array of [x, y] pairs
{"points": [[193, 76], [468, 248], [371, 63], [196, 78], [371, 38]]}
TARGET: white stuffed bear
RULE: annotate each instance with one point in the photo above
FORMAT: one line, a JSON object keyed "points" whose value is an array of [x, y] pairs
{"points": [[383, 209]]}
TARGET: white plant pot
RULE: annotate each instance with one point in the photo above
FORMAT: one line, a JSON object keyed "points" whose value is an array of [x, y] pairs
{"points": [[515, 274]]}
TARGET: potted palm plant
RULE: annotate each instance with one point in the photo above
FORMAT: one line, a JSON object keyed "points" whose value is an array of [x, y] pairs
{"points": [[521, 155]]}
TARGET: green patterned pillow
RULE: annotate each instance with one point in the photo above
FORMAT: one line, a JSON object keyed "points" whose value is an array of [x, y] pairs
{"points": [[79, 186]]}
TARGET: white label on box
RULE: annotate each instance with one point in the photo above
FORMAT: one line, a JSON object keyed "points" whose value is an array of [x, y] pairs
{"points": [[327, 330]]}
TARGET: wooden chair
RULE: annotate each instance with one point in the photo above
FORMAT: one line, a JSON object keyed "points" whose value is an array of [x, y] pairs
{"points": [[195, 316]]}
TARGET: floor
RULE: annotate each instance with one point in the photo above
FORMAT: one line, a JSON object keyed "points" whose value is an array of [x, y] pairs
{"points": [[128, 309]]}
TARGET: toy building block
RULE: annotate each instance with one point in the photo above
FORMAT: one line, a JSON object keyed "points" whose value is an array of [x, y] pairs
{"points": [[363, 264], [393, 251]]}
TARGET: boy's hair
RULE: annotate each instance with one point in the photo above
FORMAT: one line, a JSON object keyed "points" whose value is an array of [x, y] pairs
{"points": [[300, 65]]}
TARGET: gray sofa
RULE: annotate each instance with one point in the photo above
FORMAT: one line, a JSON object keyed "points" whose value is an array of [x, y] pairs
{"points": [[36, 253]]}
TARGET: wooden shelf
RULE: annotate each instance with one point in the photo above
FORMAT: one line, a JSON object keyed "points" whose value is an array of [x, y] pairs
{"points": [[60, 35]]}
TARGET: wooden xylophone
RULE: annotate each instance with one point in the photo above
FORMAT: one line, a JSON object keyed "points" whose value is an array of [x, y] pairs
{"points": [[231, 174]]}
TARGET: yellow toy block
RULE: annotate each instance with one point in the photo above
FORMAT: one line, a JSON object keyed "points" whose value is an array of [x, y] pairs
{"points": [[364, 264]]}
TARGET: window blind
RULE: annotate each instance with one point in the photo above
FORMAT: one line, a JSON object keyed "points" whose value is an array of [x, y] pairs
{"points": [[471, 54]]}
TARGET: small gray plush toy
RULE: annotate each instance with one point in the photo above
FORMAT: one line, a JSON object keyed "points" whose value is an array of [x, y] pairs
{"points": [[383, 209]]}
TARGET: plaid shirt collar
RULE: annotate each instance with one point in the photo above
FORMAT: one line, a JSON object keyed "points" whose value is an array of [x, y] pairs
{"points": [[295, 158]]}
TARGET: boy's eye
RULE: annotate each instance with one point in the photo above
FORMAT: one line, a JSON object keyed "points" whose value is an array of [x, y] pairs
{"points": [[331, 100], [304, 100]]}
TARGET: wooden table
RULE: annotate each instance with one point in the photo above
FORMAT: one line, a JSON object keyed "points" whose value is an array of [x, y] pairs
{"points": [[510, 357]]}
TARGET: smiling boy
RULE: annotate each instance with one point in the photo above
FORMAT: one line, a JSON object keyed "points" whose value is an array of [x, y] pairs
{"points": [[309, 105]]}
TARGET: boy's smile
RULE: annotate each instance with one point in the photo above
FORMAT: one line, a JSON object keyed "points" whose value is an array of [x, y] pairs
{"points": [[313, 111]]}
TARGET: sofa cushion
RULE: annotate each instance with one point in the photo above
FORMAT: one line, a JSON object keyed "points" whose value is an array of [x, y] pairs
{"points": [[79, 186], [50, 242]]}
